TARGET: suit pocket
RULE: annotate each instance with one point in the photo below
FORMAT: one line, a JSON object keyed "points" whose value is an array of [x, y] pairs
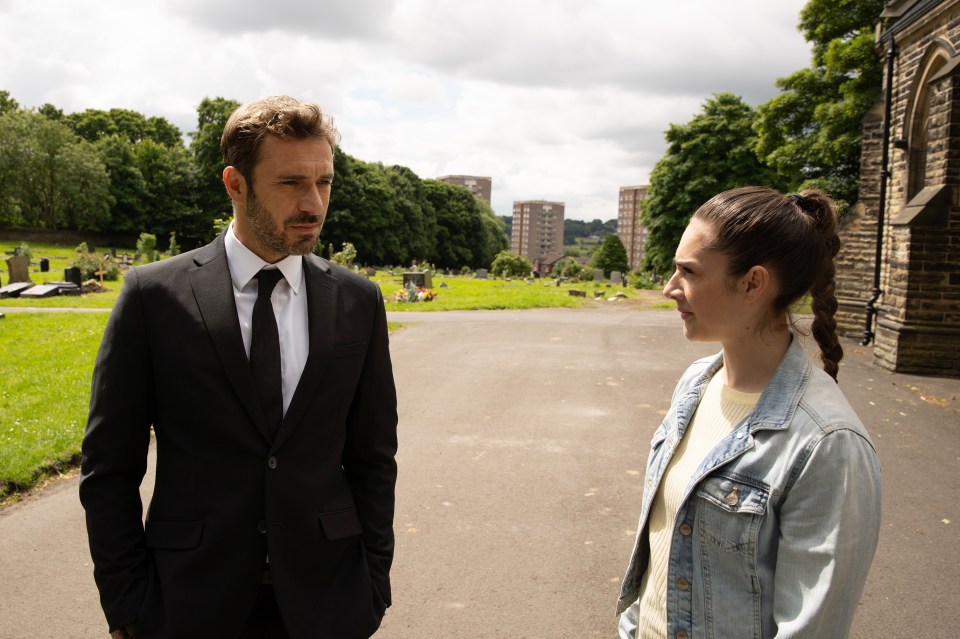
{"points": [[174, 535], [340, 524], [349, 350]]}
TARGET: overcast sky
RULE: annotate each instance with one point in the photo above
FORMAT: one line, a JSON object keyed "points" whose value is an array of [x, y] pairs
{"points": [[559, 100]]}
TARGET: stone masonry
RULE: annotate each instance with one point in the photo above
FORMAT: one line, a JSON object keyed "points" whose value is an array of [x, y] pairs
{"points": [[917, 328]]}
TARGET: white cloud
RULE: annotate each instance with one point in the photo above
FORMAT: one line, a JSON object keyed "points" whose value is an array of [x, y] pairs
{"points": [[554, 99]]}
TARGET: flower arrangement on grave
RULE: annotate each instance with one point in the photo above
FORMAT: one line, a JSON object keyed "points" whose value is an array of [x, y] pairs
{"points": [[414, 294]]}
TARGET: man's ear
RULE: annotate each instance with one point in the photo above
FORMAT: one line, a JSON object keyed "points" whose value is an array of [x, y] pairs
{"points": [[235, 184], [756, 283]]}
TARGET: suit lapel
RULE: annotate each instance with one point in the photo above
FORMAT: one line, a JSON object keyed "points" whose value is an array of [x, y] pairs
{"points": [[213, 291], [322, 292]]}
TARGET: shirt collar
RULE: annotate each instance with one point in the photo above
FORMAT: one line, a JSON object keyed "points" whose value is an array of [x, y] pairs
{"points": [[244, 264]]}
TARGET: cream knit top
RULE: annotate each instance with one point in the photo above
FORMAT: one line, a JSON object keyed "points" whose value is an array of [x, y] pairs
{"points": [[720, 409]]}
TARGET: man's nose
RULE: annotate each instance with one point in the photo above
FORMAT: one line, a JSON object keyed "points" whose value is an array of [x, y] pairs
{"points": [[313, 201]]}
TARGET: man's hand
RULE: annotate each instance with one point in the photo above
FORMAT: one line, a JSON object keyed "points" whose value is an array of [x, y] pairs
{"points": [[127, 632]]}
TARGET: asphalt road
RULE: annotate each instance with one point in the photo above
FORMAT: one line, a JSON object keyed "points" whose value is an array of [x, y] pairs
{"points": [[523, 438]]}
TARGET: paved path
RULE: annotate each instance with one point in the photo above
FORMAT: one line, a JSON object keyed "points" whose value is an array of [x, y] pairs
{"points": [[523, 438]]}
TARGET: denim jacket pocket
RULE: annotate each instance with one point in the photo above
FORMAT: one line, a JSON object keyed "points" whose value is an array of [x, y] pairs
{"points": [[728, 518]]}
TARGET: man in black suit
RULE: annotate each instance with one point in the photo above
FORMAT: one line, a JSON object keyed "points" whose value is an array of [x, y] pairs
{"points": [[274, 416]]}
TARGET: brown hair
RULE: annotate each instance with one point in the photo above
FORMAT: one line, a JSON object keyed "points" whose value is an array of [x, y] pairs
{"points": [[281, 116], [795, 236]]}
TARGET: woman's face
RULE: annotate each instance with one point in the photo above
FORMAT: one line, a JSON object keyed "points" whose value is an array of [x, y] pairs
{"points": [[709, 300]]}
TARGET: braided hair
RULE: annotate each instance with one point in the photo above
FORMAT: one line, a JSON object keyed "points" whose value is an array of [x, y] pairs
{"points": [[795, 237]]}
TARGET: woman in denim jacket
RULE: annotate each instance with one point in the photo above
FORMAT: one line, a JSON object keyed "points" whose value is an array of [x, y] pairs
{"points": [[761, 506]]}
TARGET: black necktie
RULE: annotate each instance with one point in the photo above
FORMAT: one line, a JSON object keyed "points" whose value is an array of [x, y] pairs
{"points": [[265, 351]]}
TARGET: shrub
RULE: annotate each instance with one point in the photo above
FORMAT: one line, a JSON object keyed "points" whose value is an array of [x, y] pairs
{"points": [[571, 269], [346, 256], [507, 264], [174, 247], [89, 264], [23, 249], [147, 246]]}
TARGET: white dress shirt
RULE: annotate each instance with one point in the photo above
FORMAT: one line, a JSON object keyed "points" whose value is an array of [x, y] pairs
{"points": [[289, 300]]}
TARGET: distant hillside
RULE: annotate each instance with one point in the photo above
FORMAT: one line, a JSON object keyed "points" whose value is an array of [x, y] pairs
{"points": [[574, 231]]}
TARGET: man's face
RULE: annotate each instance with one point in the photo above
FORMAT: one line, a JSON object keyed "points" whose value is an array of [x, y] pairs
{"points": [[284, 207]]}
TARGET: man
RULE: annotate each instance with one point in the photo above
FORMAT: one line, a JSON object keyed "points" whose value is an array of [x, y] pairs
{"points": [[275, 417]]}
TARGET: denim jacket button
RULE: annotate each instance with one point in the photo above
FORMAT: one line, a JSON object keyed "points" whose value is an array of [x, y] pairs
{"points": [[685, 529], [732, 498], [683, 584]]}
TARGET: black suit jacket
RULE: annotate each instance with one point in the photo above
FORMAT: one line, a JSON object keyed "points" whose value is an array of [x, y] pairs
{"points": [[318, 499]]}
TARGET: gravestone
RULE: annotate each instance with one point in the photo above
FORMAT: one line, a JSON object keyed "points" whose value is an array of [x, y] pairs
{"points": [[43, 290], [19, 267], [481, 273], [418, 279], [598, 275], [67, 288], [14, 290], [72, 274], [44, 265], [616, 278], [371, 272], [575, 293]]}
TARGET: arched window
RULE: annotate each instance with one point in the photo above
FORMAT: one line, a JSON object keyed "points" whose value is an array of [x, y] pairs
{"points": [[919, 122]]}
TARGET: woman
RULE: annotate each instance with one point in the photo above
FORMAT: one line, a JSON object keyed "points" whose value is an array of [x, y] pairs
{"points": [[761, 508]]}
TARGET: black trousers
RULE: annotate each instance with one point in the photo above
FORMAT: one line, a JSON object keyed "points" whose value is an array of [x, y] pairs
{"points": [[265, 621]]}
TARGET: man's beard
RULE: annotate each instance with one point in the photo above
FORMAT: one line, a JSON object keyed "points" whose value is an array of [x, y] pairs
{"points": [[275, 239]]}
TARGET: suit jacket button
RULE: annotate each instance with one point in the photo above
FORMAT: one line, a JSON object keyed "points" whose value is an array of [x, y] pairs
{"points": [[261, 526], [272, 462]]}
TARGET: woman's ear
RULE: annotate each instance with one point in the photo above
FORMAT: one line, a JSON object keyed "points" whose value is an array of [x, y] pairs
{"points": [[756, 284]]}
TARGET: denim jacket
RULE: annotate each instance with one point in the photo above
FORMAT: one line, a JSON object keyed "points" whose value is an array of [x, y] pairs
{"points": [[779, 524]]}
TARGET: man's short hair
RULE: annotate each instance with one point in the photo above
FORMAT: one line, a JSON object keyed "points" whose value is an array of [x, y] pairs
{"points": [[278, 115]]}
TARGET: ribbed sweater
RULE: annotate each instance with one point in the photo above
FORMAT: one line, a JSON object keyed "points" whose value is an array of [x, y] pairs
{"points": [[719, 411]]}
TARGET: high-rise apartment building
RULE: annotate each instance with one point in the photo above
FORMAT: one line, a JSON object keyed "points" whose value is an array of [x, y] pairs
{"points": [[479, 186], [631, 232], [537, 229]]}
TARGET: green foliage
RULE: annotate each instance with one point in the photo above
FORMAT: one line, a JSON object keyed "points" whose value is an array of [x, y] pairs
{"points": [[573, 229], [90, 266], [95, 124], [611, 256], [571, 269], [7, 103], [468, 232], [172, 247], [23, 249], [711, 153], [221, 224], [212, 115], [811, 132], [345, 256], [48, 177], [147, 246], [508, 264]]}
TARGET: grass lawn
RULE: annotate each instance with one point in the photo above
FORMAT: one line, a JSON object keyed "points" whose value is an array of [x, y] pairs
{"points": [[45, 363], [470, 294]]}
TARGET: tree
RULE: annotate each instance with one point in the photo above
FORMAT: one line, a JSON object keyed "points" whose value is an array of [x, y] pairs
{"points": [[611, 255], [49, 177], [468, 232], [127, 185], [212, 115], [508, 264], [7, 103], [811, 132], [711, 153]]}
